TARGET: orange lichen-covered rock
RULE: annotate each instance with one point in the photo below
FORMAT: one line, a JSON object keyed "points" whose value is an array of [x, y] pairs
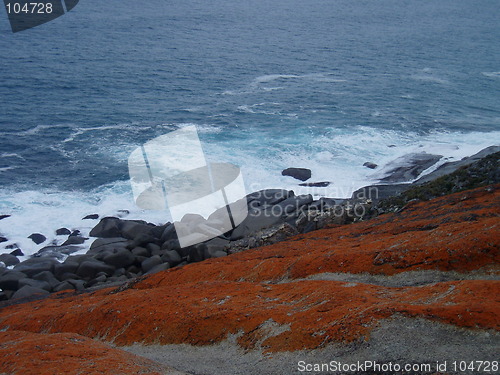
{"points": [[27, 353], [279, 297]]}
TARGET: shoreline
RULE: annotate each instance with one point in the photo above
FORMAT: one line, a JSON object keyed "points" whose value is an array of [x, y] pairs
{"points": [[414, 285], [126, 249]]}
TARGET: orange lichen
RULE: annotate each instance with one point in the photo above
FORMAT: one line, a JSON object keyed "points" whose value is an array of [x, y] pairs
{"points": [[203, 303], [27, 353]]}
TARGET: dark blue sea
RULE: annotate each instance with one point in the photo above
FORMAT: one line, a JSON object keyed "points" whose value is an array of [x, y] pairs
{"points": [[321, 84]]}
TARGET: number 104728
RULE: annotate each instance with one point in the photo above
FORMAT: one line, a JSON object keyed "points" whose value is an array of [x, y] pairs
{"points": [[29, 8]]}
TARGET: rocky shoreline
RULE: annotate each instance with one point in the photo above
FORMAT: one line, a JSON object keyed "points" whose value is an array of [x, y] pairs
{"points": [[127, 249], [417, 286]]}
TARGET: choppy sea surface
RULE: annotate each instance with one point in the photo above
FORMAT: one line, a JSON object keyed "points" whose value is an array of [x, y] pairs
{"points": [[321, 84]]}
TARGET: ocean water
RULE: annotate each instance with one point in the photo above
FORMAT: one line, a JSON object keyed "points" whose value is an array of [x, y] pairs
{"points": [[321, 84]]}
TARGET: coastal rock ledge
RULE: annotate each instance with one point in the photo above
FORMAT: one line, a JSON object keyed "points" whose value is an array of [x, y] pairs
{"points": [[416, 286]]}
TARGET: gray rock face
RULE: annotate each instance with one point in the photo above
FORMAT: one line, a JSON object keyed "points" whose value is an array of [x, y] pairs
{"points": [[378, 192], [256, 220], [409, 167], [269, 197], [291, 204], [451, 167], [302, 174]]}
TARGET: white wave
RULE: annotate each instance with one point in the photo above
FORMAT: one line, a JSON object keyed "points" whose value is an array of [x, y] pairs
{"points": [[335, 155], [491, 74], [202, 128], [40, 128], [46, 211], [11, 155], [429, 78], [273, 77], [272, 88], [320, 77], [5, 169], [338, 155], [82, 130]]}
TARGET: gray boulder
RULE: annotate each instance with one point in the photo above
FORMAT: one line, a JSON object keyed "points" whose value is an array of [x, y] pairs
{"points": [[34, 283], [256, 220], [29, 291], [168, 234], [131, 229], [197, 253], [37, 238], [150, 263], [142, 252], [158, 268], [47, 277], [292, 204], [302, 174], [108, 227], [66, 267], [268, 197], [120, 258], [63, 232], [65, 285], [74, 240], [370, 165], [101, 242], [90, 268], [10, 280], [171, 257], [17, 252], [9, 260], [33, 266]]}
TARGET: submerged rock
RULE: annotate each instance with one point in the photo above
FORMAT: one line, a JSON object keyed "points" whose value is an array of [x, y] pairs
{"points": [[316, 184], [37, 238], [370, 165], [302, 174]]}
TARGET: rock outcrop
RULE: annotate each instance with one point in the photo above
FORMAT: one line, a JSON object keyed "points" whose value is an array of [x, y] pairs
{"points": [[418, 285]]}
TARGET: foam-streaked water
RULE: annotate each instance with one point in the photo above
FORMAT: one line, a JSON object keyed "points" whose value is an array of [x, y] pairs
{"points": [[320, 84]]}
